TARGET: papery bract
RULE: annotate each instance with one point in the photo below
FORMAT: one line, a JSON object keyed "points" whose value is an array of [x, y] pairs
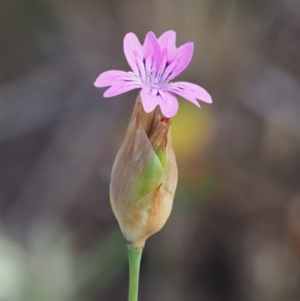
{"points": [[154, 65], [144, 176]]}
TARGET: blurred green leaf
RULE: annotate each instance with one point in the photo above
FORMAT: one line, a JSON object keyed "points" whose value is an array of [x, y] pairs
{"points": [[98, 269]]}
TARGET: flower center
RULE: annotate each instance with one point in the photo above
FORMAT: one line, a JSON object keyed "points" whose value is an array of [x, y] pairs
{"points": [[155, 78]]}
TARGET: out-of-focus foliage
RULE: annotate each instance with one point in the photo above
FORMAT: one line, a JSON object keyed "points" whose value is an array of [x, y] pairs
{"points": [[234, 233], [48, 268]]}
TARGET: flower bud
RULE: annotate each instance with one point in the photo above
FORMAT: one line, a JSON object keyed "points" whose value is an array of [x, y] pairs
{"points": [[144, 176]]}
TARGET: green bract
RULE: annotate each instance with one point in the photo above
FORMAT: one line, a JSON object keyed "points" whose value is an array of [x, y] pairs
{"points": [[149, 178]]}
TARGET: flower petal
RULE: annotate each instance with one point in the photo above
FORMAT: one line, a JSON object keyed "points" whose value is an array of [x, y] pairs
{"points": [[167, 101], [161, 69], [113, 77], [168, 104], [152, 53], [167, 43], [120, 88], [134, 54], [180, 61], [150, 99], [189, 91]]}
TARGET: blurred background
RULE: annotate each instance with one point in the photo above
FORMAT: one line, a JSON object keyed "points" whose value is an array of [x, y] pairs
{"points": [[234, 233]]}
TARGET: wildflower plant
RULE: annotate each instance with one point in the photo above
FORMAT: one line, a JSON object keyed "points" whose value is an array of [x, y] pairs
{"points": [[144, 174]]}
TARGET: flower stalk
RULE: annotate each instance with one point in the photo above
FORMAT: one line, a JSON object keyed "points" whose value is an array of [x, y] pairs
{"points": [[134, 257]]}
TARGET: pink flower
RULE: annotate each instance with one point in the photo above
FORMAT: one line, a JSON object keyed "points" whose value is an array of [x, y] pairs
{"points": [[154, 65]]}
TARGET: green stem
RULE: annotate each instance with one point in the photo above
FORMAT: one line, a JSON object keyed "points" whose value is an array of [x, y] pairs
{"points": [[134, 256]]}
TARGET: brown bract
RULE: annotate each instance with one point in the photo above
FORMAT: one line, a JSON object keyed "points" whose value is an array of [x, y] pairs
{"points": [[138, 167]]}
